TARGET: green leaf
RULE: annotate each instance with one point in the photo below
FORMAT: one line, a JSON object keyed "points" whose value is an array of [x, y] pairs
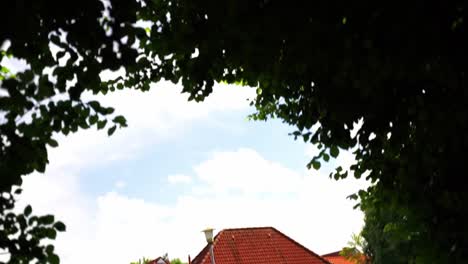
{"points": [[93, 119], [95, 105], [334, 151], [28, 210], [101, 124], [51, 233], [361, 193], [60, 226], [111, 130], [316, 165], [4, 69], [54, 259], [120, 120], [109, 110], [47, 219], [53, 143], [50, 249], [336, 176]]}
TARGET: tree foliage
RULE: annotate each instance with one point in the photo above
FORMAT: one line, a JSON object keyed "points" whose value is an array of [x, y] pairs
{"points": [[22, 236], [142, 261], [65, 46], [397, 68], [177, 261], [164, 257], [387, 244], [355, 250]]}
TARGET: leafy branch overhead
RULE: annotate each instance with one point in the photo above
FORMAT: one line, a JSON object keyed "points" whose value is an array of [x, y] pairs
{"points": [[65, 48], [397, 69]]}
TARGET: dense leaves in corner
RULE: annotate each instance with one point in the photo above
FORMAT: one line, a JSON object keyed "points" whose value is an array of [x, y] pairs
{"points": [[23, 234], [65, 46]]}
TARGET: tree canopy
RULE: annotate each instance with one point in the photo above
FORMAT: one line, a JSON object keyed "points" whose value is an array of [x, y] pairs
{"points": [[395, 68], [65, 46], [142, 261]]}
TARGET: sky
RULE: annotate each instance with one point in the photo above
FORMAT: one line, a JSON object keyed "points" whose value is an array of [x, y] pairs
{"points": [[180, 167]]}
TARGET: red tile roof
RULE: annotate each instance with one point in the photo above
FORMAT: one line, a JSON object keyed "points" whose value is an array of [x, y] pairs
{"points": [[336, 258], [260, 245]]}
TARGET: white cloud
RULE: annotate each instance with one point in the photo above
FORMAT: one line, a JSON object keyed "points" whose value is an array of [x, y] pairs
{"points": [[164, 107], [120, 184], [179, 179], [158, 115], [247, 172], [13, 64]]}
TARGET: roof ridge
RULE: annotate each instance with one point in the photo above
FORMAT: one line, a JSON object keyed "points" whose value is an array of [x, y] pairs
{"points": [[247, 228], [300, 245], [200, 254]]}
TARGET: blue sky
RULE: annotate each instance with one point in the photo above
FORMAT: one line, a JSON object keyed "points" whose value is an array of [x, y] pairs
{"points": [[180, 167], [179, 155]]}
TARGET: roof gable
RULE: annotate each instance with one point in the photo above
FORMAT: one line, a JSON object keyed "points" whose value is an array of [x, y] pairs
{"points": [[260, 245], [159, 260]]}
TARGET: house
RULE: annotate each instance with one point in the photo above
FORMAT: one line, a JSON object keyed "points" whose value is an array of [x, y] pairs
{"points": [[159, 260], [336, 258], [259, 245]]}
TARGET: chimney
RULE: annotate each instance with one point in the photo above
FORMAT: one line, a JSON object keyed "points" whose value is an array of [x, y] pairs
{"points": [[208, 235], [209, 239]]}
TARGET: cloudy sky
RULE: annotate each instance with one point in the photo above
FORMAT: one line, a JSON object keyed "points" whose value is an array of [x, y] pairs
{"points": [[181, 167]]}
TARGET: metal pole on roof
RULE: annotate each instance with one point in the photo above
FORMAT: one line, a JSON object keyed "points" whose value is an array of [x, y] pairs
{"points": [[212, 254], [209, 239]]}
